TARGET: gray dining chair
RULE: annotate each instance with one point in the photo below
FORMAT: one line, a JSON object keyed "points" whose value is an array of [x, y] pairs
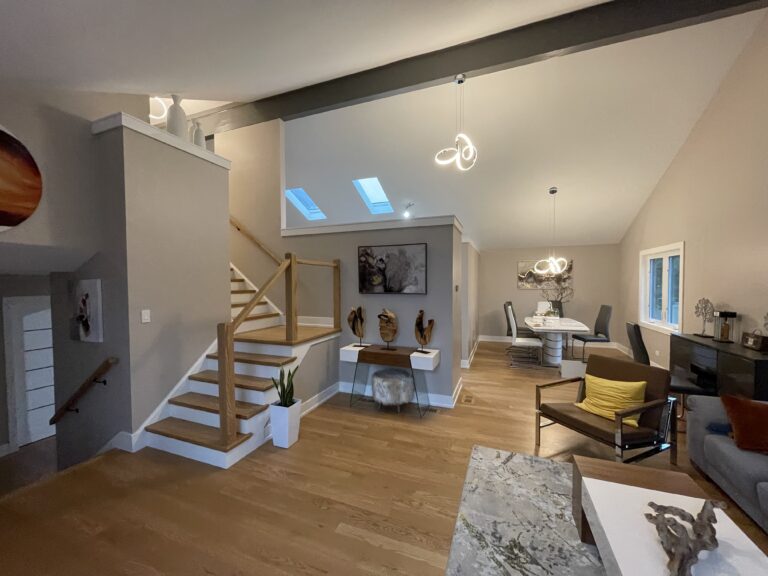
{"points": [[601, 332], [521, 330]]}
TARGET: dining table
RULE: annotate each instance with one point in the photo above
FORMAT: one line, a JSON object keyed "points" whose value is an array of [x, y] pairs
{"points": [[551, 330]]}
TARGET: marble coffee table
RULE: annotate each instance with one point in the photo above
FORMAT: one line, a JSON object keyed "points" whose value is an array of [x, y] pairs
{"points": [[609, 503]]}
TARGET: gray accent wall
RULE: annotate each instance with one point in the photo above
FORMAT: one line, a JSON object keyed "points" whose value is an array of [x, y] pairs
{"points": [[595, 282], [714, 197], [255, 191]]}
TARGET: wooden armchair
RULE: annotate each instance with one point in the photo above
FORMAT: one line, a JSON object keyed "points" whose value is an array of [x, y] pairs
{"points": [[657, 430]]}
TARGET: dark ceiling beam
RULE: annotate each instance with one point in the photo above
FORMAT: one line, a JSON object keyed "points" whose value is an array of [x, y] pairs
{"points": [[585, 29]]}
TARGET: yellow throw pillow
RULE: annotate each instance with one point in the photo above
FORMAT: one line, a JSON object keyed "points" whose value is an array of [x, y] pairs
{"points": [[606, 397]]}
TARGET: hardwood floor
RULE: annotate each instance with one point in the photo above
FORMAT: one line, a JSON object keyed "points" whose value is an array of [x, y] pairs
{"points": [[363, 492]]}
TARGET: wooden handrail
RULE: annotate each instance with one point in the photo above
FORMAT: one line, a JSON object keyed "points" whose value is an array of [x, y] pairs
{"points": [[264, 248], [327, 263], [103, 368]]}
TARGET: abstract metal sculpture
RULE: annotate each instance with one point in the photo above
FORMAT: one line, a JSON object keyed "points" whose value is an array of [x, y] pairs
{"points": [[387, 326], [706, 311], [423, 333], [681, 545], [356, 321]]}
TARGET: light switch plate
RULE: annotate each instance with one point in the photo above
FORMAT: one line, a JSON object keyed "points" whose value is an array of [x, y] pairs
{"points": [[146, 316]]}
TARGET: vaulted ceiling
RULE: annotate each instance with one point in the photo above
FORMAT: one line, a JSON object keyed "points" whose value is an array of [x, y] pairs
{"points": [[603, 125], [237, 50]]}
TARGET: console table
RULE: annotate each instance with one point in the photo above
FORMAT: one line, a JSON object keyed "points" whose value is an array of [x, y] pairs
{"points": [[719, 367], [397, 356]]}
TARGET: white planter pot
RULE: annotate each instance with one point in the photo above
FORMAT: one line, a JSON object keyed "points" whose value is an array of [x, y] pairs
{"points": [[285, 424]]}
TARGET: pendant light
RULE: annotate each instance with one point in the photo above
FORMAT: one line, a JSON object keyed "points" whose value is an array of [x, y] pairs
{"points": [[553, 265], [463, 154]]}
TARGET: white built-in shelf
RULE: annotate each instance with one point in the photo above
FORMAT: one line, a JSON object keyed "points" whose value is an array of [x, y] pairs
{"points": [[419, 361], [121, 119]]}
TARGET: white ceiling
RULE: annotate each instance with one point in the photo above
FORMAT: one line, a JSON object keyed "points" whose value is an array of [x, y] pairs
{"points": [[239, 49], [602, 125]]}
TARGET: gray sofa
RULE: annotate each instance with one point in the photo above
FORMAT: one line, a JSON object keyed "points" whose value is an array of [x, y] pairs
{"points": [[741, 474]]}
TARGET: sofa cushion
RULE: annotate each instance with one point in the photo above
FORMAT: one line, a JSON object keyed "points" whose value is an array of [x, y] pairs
{"points": [[744, 469], [748, 418], [598, 427], [762, 496]]}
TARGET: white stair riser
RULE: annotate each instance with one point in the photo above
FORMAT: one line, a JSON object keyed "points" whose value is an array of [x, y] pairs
{"points": [[261, 323], [249, 369], [238, 285], [241, 298], [257, 348], [206, 455], [253, 425], [258, 309], [244, 395]]}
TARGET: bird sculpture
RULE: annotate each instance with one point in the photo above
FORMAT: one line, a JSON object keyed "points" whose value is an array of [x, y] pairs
{"points": [[356, 321], [423, 333]]}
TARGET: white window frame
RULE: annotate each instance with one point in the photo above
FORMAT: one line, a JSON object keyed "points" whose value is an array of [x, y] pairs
{"points": [[675, 249]]}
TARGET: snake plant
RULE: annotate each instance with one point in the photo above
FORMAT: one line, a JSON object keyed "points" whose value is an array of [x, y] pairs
{"points": [[284, 387]]}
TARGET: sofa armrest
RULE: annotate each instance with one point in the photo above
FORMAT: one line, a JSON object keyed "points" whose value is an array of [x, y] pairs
{"points": [[540, 387], [621, 414], [707, 409]]}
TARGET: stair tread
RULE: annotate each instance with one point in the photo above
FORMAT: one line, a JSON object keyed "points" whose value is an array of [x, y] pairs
{"points": [[241, 380], [243, 291], [194, 433], [261, 359], [206, 403], [241, 304], [261, 316]]}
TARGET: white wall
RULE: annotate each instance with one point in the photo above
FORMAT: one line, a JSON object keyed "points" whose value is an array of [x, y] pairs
{"points": [[470, 313], [714, 197]]}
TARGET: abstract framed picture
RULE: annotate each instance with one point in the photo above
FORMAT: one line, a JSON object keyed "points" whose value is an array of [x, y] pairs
{"points": [[396, 269], [21, 185], [88, 319], [527, 279]]}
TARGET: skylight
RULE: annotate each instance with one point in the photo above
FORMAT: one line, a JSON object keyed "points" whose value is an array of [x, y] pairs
{"points": [[304, 204], [373, 195]]}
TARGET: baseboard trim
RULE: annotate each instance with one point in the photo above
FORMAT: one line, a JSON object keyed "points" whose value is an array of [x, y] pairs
{"points": [[324, 321], [457, 390], [468, 362], [319, 399]]}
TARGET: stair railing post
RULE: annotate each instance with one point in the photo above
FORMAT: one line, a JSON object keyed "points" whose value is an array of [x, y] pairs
{"points": [[337, 294], [291, 297], [226, 349]]}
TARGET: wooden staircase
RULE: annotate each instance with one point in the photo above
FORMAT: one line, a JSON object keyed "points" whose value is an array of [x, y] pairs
{"points": [[190, 422]]}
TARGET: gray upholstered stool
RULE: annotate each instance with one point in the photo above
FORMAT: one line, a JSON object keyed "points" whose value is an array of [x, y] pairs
{"points": [[392, 387]]}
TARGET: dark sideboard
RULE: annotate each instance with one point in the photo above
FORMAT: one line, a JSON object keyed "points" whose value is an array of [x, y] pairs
{"points": [[718, 367]]}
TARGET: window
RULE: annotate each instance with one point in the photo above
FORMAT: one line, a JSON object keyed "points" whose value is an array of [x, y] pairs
{"points": [[373, 195], [661, 287], [304, 204]]}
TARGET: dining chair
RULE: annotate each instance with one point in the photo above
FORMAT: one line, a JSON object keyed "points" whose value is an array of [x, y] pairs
{"points": [[521, 330], [523, 349], [639, 351], [600, 333]]}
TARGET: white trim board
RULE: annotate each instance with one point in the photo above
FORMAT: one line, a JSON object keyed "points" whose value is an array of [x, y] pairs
{"points": [[468, 362], [324, 321], [121, 119], [375, 225]]}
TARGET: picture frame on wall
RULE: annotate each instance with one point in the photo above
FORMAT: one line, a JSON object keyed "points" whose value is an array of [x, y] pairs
{"points": [[392, 269], [88, 323]]}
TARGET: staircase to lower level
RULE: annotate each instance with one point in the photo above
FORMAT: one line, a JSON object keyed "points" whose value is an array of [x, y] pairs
{"points": [[188, 423]]}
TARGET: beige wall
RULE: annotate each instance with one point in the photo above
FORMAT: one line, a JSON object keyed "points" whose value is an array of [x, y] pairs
{"points": [[714, 197], [255, 191], [470, 313], [176, 210], [595, 282]]}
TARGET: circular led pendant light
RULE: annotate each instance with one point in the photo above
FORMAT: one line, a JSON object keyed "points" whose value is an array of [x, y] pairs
{"points": [[554, 264], [463, 154]]}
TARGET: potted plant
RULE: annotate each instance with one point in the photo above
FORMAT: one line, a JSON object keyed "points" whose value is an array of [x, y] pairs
{"points": [[285, 414]]}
